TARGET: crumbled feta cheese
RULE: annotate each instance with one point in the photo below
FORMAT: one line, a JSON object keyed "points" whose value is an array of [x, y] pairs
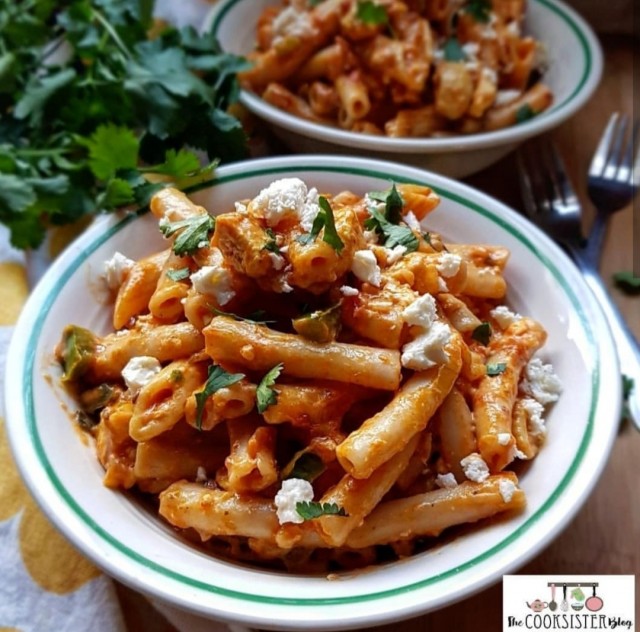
{"points": [[201, 475], [139, 371], [240, 207], [366, 268], [292, 492], [471, 49], [448, 481], [507, 489], [281, 285], [115, 270], [286, 196], [513, 28], [518, 454], [449, 264], [534, 410], [347, 290], [427, 349], [370, 236], [490, 74], [214, 280], [438, 54], [412, 221], [506, 96], [540, 382], [422, 312], [291, 22], [395, 254], [277, 261], [442, 285], [474, 467], [504, 438], [284, 249], [504, 316]]}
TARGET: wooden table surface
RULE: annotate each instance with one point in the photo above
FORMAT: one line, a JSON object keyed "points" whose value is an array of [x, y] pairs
{"points": [[603, 537]]}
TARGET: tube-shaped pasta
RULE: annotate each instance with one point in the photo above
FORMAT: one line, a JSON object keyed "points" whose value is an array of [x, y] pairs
{"points": [[453, 89], [229, 402], [259, 348], [458, 312], [358, 497], [535, 100], [283, 98], [431, 513], [163, 342], [354, 97], [115, 449], [139, 286], [495, 396], [417, 122], [165, 303], [527, 441], [323, 98], [172, 205], [418, 199], [409, 412], [160, 404], [484, 282]]}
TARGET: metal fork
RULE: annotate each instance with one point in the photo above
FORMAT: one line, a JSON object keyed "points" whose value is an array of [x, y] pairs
{"points": [[552, 204]]}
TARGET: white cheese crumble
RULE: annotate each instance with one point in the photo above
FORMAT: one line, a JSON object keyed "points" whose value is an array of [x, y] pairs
{"points": [[240, 207], [427, 349], [412, 221], [442, 286], [422, 312], [115, 270], [395, 254], [540, 382], [449, 264], [534, 410], [490, 74], [292, 492], [507, 489], [471, 49], [366, 268], [347, 290], [446, 481], [506, 96], [504, 316], [370, 236], [474, 468], [287, 196], [504, 438], [277, 261], [214, 280], [291, 23], [139, 371]]}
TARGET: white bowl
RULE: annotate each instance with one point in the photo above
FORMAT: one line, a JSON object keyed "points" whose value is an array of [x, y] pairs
{"points": [[142, 551], [575, 68]]}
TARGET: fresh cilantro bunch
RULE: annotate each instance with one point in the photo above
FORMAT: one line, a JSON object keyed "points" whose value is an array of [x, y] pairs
{"points": [[96, 113]]}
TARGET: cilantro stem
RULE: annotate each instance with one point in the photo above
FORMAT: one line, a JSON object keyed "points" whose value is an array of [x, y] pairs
{"points": [[39, 153], [112, 33]]}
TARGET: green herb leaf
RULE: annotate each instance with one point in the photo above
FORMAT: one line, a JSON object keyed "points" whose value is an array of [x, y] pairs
{"points": [[194, 233], [305, 465], [369, 12], [324, 219], [271, 244], [479, 9], [482, 333], [266, 395], [179, 274], [311, 510], [496, 368], [393, 203], [322, 325], [427, 238], [218, 378], [524, 113], [112, 148], [395, 235], [627, 281], [453, 50], [177, 376]]}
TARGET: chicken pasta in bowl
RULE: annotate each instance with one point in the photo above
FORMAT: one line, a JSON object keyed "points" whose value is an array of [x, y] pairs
{"points": [[292, 376], [400, 68], [234, 383]]}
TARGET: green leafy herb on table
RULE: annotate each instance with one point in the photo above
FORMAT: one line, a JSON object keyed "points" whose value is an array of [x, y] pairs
{"points": [[217, 378], [266, 395], [311, 510], [96, 114]]}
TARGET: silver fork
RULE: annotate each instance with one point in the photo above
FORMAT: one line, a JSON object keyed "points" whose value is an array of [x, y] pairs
{"points": [[552, 204]]}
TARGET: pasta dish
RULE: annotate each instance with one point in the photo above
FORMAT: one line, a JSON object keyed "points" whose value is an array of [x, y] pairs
{"points": [[401, 68], [312, 380]]}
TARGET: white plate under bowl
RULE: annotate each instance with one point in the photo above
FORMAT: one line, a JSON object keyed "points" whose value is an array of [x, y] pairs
{"points": [[142, 551], [575, 67]]}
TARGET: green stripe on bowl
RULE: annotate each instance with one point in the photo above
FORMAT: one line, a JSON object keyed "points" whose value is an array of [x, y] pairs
{"points": [[292, 601]]}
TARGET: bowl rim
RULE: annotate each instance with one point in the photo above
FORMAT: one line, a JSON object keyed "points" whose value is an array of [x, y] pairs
{"points": [[100, 546], [556, 114]]}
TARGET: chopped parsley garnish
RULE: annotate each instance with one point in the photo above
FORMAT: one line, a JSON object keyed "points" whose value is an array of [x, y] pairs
{"points": [[427, 238], [371, 13], [178, 274], [177, 376], [266, 395], [311, 510], [322, 325], [271, 244], [324, 219], [480, 10], [393, 203], [305, 465], [257, 317], [627, 281], [453, 50], [482, 333], [524, 113], [628, 384], [218, 378], [395, 235], [496, 368], [194, 233]]}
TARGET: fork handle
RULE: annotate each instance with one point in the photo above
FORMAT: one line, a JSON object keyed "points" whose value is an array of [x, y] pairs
{"points": [[626, 344]]}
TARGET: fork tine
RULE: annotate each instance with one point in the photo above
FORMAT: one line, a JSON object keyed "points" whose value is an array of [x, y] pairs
{"points": [[526, 185], [600, 158], [628, 172], [616, 153], [563, 186]]}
